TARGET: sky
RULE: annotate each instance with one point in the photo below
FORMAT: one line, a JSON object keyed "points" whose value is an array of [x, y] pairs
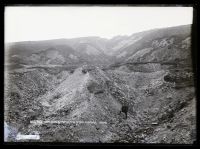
{"points": [[25, 23]]}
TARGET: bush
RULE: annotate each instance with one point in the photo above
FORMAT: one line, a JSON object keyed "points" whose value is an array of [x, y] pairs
{"points": [[71, 71], [170, 78], [99, 92], [84, 71], [15, 96], [95, 88], [56, 96]]}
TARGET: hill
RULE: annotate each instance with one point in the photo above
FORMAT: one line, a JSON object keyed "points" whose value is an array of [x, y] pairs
{"points": [[73, 90]]}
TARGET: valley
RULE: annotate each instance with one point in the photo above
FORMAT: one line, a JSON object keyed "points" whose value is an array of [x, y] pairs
{"points": [[80, 85]]}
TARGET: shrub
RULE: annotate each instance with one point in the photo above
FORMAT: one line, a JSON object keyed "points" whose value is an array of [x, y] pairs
{"points": [[99, 92], [95, 88], [169, 78], [56, 96], [71, 71], [84, 71]]}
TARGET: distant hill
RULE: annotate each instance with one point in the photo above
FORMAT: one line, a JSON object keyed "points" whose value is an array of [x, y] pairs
{"points": [[156, 39], [157, 45]]}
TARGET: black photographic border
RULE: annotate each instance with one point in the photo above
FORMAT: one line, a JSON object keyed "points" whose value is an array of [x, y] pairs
{"points": [[137, 3]]}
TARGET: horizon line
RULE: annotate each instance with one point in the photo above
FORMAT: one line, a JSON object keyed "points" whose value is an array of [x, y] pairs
{"points": [[10, 42]]}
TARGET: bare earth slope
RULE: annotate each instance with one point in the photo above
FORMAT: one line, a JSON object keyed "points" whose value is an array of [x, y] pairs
{"points": [[72, 90]]}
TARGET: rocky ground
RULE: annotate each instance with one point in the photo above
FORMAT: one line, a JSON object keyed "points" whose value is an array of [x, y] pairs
{"points": [[161, 108], [68, 96]]}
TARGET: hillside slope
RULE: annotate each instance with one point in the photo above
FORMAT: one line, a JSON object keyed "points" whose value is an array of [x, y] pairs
{"points": [[73, 90]]}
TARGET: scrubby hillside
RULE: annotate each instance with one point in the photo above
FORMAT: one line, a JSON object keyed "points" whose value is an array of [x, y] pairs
{"points": [[22, 87], [167, 37], [90, 101], [58, 52], [75, 90]]}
